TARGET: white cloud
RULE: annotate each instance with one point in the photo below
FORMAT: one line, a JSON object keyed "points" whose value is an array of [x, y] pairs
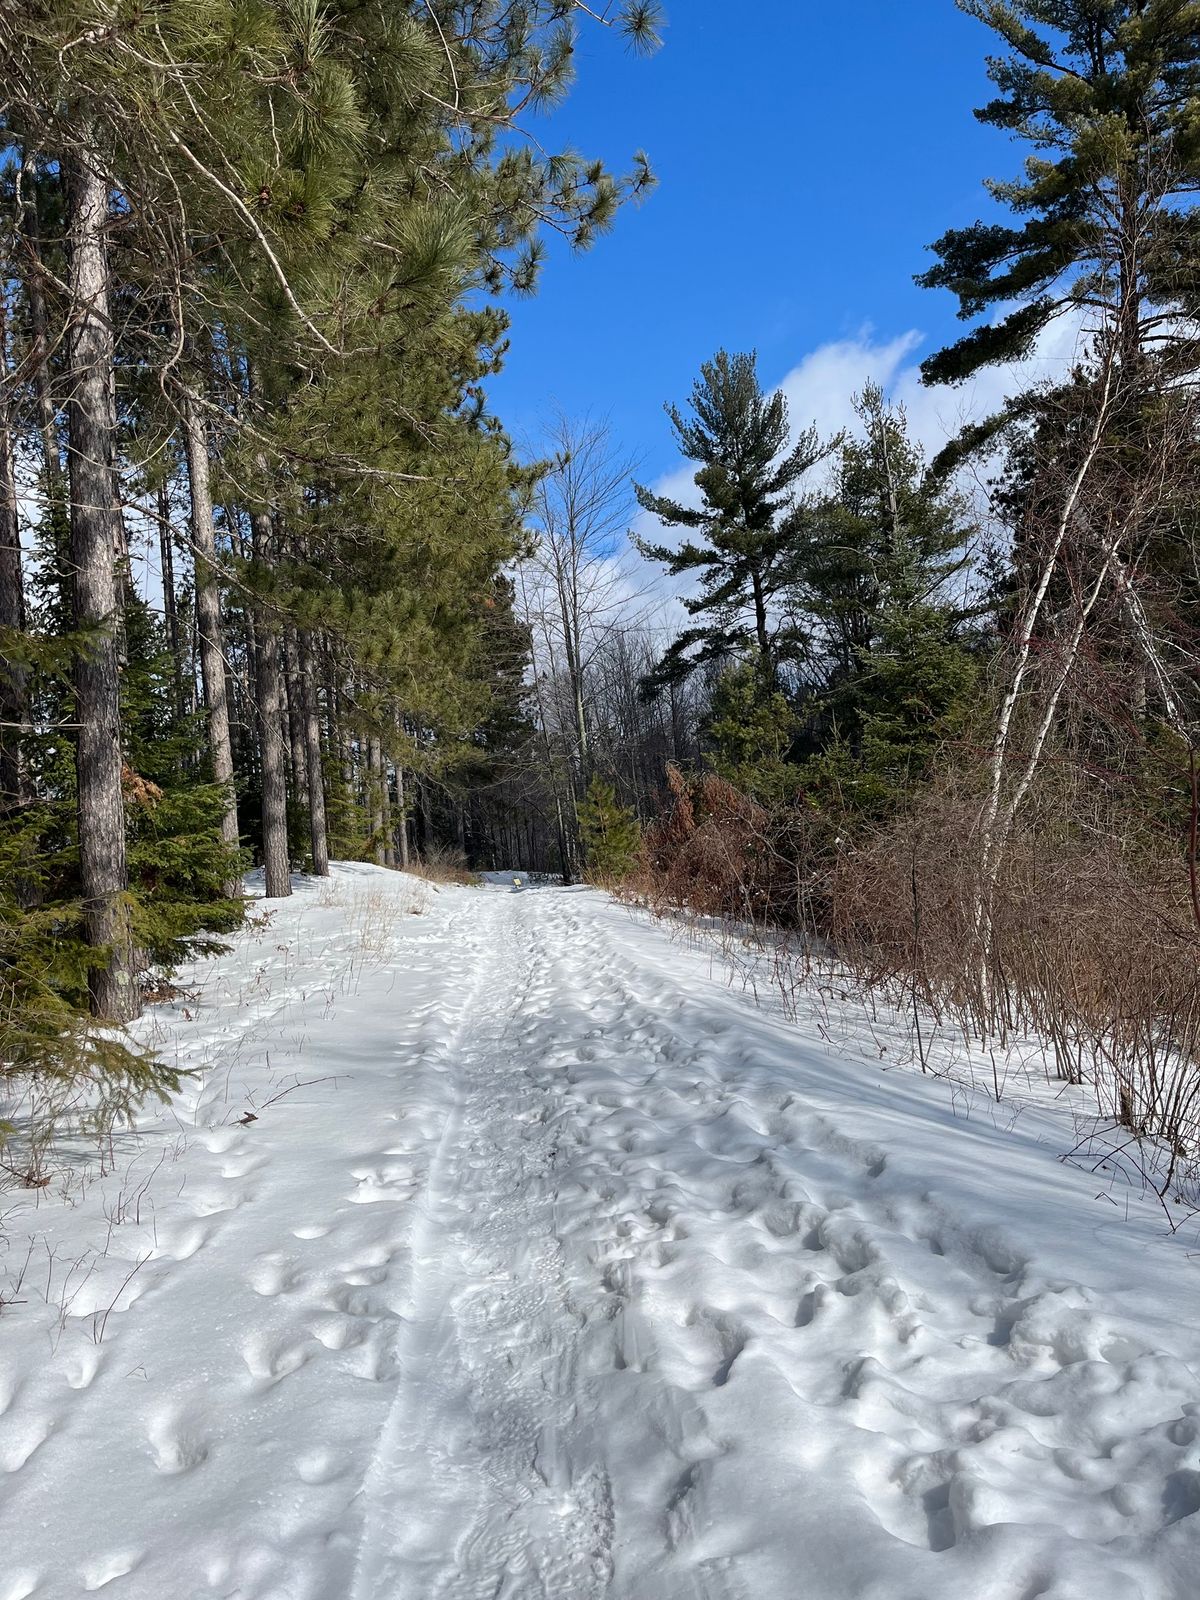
{"points": [[821, 387]]}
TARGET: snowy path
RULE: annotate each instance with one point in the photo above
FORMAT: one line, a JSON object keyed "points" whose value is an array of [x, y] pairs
{"points": [[564, 1274]]}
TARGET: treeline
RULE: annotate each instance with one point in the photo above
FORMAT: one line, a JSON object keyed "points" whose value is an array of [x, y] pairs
{"points": [[953, 740], [255, 518]]}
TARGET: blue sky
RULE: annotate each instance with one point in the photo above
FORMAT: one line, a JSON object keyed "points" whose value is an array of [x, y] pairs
{"points": [[807, 153]]}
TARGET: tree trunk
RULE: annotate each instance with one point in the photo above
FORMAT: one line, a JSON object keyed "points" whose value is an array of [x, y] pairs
{"points": [[14, 679], [402, 823], [389, 831], [272, 750], [424, 818], [208, 620], [761, 631], [290, 657], [317, 827], [995, 820], [571, 639], [376, 799], [94, 535], [166, 563]]}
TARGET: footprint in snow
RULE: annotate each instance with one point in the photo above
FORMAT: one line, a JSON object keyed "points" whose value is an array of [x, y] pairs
{"points": [[312, 1230], [321, 1466], [272, 1276], [177, 1443], [271, 1360], [102, 1573]]}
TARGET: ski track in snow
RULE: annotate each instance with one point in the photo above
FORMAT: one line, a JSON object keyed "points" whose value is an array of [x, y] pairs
{"points": [[578, 1279]]}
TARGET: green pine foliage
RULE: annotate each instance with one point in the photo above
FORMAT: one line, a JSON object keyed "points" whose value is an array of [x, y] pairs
{"points": [[311, 205], [1105, 94], [745, 527], [608, 831], [882, 570], [750, 732]]}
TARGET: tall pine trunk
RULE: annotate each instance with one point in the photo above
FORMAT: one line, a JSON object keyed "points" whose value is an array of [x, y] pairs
{"points": [[402, 825], [166, 563], [376, 798], [385, 800], [289, 656], [272, 748], [317, 826], [14, 679], [95, 532], [208, 620]]}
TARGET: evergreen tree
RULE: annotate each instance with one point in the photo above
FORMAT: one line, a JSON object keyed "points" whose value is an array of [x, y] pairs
{"points": [[608, 832], [751, 730], [748, 478], [1107, 93], [886, 541], [877, 575], [309, 195]]}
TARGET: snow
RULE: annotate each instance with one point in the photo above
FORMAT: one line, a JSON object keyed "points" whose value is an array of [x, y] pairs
{"points": [[500, 1249]]}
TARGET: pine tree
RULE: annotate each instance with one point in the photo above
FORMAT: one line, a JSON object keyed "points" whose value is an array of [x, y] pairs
{"points": [[608, 831], [313, 194], [877, 574], [749, 475], [751, 730], [887, 540], [1107, 93]]}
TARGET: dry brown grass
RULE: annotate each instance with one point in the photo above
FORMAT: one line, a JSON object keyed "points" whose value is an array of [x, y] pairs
{"points": [[443, 866]]}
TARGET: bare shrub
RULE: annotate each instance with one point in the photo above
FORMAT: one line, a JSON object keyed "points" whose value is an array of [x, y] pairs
{"points": [[443, 865], [717, 852], [1092, 946]]}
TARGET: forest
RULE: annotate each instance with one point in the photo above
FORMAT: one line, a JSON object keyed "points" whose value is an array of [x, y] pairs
{"points": [[279, 587]]}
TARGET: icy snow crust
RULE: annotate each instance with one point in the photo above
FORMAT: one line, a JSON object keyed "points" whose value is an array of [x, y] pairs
{"points": [[550, 1269]]}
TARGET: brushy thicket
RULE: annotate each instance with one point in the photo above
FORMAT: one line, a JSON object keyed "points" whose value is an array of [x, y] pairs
{"points": [[1095, 942], [443, 864]]}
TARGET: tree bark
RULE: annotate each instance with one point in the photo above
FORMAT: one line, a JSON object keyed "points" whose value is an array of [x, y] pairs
{"points": [[166, 562], [95, 530], [318, 829], [996, 817], [208, 620], [290, 659], [272, 749], [389, 832], [14, 679], [375, 793], [761, 630], [402, 824]]}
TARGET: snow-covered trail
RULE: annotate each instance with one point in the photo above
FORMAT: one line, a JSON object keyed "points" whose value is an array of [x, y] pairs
{"points": [[567, 1275]]}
